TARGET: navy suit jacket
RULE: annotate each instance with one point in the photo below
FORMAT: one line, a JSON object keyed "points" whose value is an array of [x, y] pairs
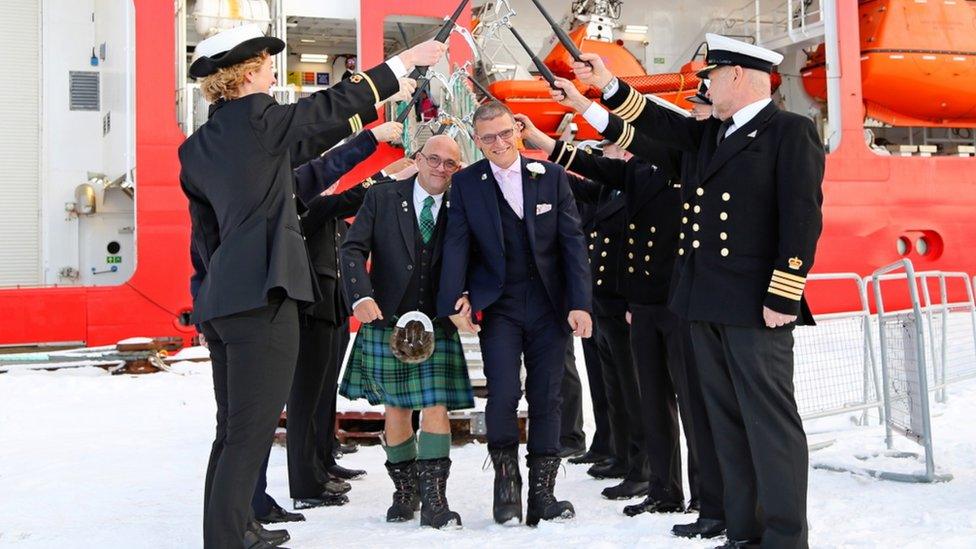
{"points": [[474, 254]]}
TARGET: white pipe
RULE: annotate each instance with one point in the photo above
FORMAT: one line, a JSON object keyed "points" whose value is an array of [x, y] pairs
{"points": [[832, 50]]}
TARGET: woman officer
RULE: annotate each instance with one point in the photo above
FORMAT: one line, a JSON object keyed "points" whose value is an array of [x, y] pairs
{"points": [[253, 268]]}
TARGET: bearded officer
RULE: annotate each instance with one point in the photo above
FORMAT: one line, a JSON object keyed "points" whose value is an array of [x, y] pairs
{"points": [[752, 198]]}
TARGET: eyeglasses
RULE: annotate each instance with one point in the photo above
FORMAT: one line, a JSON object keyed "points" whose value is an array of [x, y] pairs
{"points": [[434, 161], [490, 138]]}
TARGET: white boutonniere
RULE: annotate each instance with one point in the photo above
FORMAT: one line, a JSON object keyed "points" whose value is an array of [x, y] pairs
{"points": [[536, 169]]}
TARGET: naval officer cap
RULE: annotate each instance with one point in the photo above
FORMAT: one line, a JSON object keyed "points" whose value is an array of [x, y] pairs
{"points": [[700, 98], [724, 51], [230, 47]]}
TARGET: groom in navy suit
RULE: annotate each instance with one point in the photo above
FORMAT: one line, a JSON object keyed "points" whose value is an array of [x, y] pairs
{"points": [[514, 251]]}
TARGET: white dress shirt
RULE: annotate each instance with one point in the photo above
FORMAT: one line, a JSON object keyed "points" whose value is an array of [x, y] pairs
{"points": [[419, 195], [745, 114]]}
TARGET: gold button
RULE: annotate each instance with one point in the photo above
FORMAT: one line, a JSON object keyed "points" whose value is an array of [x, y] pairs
{"points": [[723, 216], [725, 252], [647, 258], [632, 226], [681, 251], [647, 273], [602, 268], [603, 254], [599, 282], [630, 255], [695, 227], [697, 208], [630, 240], [653, 229], [724, 236], [591, 246], [630, 269], [593, 234], [606, 240], [684, 219], [682, 235], [694, 244], [699, 191], [726, 196], [687, 205], [650, 243]]}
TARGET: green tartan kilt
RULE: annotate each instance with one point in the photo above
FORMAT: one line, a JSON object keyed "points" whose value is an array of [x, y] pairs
{"points": [[373, 373]]}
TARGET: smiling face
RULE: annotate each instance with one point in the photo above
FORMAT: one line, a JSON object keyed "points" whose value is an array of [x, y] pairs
{"points": [[496, 139], [445, 153]]}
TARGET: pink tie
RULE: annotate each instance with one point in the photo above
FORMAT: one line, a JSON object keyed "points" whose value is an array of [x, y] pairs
{"points": [[511, 193]]}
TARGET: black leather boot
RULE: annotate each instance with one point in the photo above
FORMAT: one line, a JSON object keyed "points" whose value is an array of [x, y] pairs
{"points": [[507, 504], [406, 498], [272, 537], [542, 482], [434, 511]]}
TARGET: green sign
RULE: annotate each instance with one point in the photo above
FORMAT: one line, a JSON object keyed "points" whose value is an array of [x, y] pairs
{"points": [[113, 259]]}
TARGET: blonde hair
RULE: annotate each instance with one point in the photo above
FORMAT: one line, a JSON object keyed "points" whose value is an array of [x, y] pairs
{"points": [[226, 83]]}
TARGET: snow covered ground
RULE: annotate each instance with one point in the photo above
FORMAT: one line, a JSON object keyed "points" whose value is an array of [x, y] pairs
{"points": [[93, 460]]}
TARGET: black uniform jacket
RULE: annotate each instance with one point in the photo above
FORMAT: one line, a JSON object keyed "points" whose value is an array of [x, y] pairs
{"points": [[751, 210], [384, 232], [638, 260], [324, 223], [236, 171]]}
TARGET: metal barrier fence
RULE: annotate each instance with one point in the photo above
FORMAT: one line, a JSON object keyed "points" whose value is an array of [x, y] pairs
{"points": [[834, 362]]}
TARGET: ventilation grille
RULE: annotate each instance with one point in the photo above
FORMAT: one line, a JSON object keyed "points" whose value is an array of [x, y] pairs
{"points": [[84, 90]]}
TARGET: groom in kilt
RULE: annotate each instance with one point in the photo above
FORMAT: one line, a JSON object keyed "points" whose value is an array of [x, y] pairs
{"points": [[400, 228]]}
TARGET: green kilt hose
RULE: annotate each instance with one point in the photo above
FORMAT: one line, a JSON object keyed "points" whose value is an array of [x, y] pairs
{"points": [[375, 374]]}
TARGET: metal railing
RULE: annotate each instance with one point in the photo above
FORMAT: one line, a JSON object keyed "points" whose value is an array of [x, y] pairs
{"points": [[835, 369]]}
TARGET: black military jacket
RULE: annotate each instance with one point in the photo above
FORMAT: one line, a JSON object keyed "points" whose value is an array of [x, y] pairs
{"points": [[650, 197], [236, 171], [751, 210]]}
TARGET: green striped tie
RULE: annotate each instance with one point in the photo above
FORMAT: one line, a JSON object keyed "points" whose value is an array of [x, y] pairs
{"points": [[427, 219]]}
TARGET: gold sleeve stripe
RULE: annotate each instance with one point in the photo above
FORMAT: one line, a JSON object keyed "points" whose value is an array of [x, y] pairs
{"points": [[562, 149], [376, 93], [633, 106], [788, 276], [355, 124], [774, 291], [626, 137], [572, 155], [788, 283], [787, 289], [630, 104]]}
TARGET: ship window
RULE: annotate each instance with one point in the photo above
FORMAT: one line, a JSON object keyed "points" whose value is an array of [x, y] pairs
{"points": [[113, 247], [922, 246], [903, 245]]}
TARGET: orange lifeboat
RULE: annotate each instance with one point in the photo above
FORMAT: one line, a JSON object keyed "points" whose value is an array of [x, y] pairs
{"points": [[918, 63]]}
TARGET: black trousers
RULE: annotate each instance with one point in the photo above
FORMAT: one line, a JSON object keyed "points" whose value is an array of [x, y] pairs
{"points": [[543, 341], [747, 381], [601, 443], [316, 373], [571, 433], [325, 412], [253, 355], [623, 395]]}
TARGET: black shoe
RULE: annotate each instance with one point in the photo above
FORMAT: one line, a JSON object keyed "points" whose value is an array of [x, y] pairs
{"points": [[253, 541], [610, 468], [507, 501], [652, 505], [740, 544], [434, 511], [570, 452], [703, 527], [589, 457], [627, 489], [341, 473], [324, 500], [542, 503], [336, 487], [278, 514], [406, 498], [273, 537], [350, 447]]}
